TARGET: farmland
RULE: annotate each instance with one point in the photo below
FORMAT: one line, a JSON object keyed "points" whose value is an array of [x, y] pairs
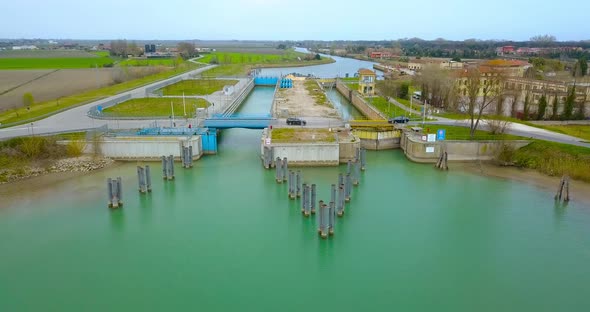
{"points": [[53, 59], [44, 108], [155, 107], [197, 87]]}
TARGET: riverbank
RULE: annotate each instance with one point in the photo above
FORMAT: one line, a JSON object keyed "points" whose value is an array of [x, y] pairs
{"points": [[579, 190], [61, 169]]}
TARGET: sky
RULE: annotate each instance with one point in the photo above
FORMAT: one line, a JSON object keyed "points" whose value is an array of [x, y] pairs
{"points": [[294, 20]]}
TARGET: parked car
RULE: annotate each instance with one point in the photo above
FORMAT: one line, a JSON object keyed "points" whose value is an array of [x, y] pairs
{"points": [[296, 121], [398, 119]]}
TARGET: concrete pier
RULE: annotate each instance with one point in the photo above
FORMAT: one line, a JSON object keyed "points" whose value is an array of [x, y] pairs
{"points": [[305, 203], [170, 167], [333, 193], [356, 173], [148, 178], [292, 184], [141, 179]]}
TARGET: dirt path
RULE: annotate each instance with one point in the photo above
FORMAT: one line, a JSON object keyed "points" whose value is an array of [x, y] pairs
{"points": [[299, 103]]}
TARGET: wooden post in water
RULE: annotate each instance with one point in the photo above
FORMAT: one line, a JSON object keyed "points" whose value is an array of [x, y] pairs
{"points": [[279, 170], [298, 184], [115, 191], [347, 188], [304, 202], [331, 217], [285, 169], [363, 159], [170, 167], [340, 201], [164, 168], [563, 191], [141, 179], [324, 216]]}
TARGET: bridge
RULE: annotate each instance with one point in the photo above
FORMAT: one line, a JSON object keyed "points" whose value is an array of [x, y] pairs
{"points": [[374, 124], [221, 121]]}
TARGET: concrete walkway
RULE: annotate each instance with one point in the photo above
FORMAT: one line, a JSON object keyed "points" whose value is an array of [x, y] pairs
{"points": [[76, 119]]}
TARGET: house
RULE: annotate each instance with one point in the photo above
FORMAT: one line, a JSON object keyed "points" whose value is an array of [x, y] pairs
{"points": [[508, 68], [25, 47], [380, 55], [367, 80]]}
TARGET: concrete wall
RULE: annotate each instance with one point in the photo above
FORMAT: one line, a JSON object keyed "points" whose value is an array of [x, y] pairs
{"points": [[417, 150], [358, 102], [308, 154], [378, 140], [347, 150], [147, 147]]}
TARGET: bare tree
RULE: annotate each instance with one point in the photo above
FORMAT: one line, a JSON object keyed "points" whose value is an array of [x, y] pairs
{"points": [[186, 49], [481, 91], [438, 87]]}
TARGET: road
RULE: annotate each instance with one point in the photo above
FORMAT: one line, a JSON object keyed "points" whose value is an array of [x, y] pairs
{"points": [[76, 119]]}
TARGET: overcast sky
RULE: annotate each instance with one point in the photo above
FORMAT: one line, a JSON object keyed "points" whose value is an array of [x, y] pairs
{"points": [[295, 19]]}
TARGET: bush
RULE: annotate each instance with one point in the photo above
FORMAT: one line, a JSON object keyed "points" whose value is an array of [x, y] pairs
{"points": [[32, 147], [75, 148]]}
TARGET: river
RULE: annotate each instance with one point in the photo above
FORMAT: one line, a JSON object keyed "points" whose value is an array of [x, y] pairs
{"points": [[224, 237]]}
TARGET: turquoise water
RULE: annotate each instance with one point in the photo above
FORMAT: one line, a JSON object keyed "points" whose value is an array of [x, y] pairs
{"points": [[224, 237], [346, 110]]}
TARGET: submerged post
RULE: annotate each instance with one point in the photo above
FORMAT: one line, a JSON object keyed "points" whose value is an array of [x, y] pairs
{"points": [[340, 201], [148, 178], [110, 192], [313, 198], [304, 202], [291, 184], [115, 191], [320, 217], [190, 156], [356, 173], [333, 193], [349, 167], [363, 158]]}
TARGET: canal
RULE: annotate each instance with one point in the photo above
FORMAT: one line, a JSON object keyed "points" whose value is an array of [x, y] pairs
{"points": [[224, 237]]}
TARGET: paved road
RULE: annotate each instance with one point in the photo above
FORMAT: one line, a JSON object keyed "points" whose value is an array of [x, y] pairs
{"points": [[76, 118]]}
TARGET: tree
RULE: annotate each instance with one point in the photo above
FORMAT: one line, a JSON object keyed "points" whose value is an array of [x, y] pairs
{"points": [[554, 114], [456, 59], [544, 39], [318, 57], [28, 100], [404, 89], [580, 68], [119, 48], [542, 107], [526, 110], [282, 46], [186, 50], [480, 93], [568, 107], [437, 86], [580, 113]]}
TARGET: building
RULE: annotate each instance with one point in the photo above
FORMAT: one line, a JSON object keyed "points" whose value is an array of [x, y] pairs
{"points": [[380, 55], [451, 65], [149, 48], [508, 68], [505, 50], [25, 47], [367, 80]]}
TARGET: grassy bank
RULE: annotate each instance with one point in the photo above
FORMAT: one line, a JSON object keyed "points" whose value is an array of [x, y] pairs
{"points": [[555, 159], [155, 107], [462, 133], [197, 87], [44, 109], [301, 135], [579, 131]]}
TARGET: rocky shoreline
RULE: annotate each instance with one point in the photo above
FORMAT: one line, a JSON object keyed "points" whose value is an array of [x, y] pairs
{"points": [[76, 164]]}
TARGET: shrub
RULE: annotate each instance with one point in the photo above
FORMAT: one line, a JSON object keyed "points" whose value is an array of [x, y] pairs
{"points": [[75, 148]]}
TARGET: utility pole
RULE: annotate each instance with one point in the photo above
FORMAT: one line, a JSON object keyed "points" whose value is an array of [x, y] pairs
{"points": [[183, 104], [172, 109]]}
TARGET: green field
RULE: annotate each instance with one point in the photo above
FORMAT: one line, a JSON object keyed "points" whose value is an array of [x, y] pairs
{"points": [[43, 109], [155, 107], [54, 63], [197, 87], [385, 107], [169, 62]]}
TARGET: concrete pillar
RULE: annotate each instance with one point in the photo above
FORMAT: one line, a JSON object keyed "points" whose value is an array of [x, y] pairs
{"points": [[356, 173], [340, 178], [347, 187], [363, 158], [141, 179], [320, 216], [164, 168], [291, 184], [331, 217], [148, 178], [333, 193], [120, 190], [348, 167], [170, 167], [304, 199], [357, 156], [313, 198], [279, 170], [110, 192], [285, 169], [190, 156], [324, 216], [298, 184], [340, 201]]}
